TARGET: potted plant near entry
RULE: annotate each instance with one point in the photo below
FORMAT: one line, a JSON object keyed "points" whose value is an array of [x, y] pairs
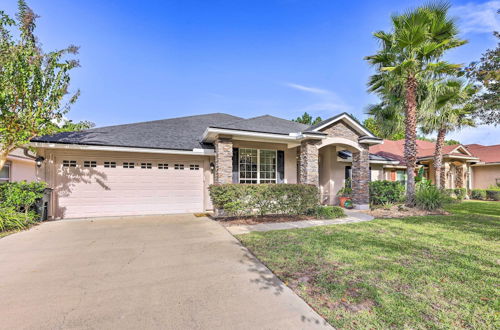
{"points": [[344, 195]]}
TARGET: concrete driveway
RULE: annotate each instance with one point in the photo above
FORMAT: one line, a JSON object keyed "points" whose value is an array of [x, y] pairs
{"points": [[169, 272]]}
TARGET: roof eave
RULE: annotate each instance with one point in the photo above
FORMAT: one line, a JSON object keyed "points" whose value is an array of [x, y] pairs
{"points": [[74, 146]]}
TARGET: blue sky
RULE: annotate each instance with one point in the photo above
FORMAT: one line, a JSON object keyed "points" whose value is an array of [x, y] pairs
{"points": [[159, 59]]}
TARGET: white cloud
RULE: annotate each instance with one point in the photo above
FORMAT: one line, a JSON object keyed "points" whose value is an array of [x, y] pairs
{"points": [[308, 89], [485, 134], [324, 103], [325, 108], [479, 18]]}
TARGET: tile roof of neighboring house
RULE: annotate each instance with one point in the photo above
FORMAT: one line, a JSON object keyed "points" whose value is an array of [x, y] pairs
{"points": [[183, 133], [487, 154], [265, 124], [429, 152], [395, 149]]}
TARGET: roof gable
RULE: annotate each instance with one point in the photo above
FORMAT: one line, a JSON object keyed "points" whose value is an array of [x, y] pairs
{"points": [[346, 118]]}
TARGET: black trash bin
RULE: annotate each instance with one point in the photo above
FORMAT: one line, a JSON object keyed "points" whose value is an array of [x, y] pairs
{"points": [[42, 205]]}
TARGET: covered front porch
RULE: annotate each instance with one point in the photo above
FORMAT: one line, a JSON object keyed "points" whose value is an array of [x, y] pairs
{"points": [[308, 157]]}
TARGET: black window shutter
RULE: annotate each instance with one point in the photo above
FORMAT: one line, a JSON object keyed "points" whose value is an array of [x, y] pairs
{"points": [[281, 166], [236, 159]]}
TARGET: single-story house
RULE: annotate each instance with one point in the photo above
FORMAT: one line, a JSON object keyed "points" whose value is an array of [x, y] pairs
{"points": [[20, 166], [472, 166], [166, 166]]}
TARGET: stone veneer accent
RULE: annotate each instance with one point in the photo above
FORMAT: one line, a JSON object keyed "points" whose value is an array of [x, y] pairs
{"points": [[361, 176], [223, 160], [340, 129], [309, 163]]}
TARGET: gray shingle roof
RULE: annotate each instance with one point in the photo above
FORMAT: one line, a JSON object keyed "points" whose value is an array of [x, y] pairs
{"points": [[265, 124], [182, 133]]}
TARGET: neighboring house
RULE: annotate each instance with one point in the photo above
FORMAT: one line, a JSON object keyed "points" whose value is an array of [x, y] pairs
{"points": [[18, 167], [166, 166], [486, 172], [471, 166]]}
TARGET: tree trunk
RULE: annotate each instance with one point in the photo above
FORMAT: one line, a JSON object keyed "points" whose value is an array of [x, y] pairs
{"points": [[438, 157], [3, 159], [410, 148]]}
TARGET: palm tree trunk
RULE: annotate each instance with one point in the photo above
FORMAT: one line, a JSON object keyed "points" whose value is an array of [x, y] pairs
{"points": [[438, 157], [410, 148]]}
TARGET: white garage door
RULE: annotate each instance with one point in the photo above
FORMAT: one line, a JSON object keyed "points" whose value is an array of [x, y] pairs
{"points": [[92, 187]]}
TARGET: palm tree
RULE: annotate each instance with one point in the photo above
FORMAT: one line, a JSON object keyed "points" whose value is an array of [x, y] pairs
{"points": [[452, 110], [409, 54]]}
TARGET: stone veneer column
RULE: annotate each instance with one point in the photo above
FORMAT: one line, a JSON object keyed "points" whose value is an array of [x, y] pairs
{"points": [[361, 178], [309, 163], [223, 160]]}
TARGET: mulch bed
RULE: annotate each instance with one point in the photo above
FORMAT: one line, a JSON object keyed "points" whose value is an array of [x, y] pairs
{"points": [[399, 211], [255, 220]]}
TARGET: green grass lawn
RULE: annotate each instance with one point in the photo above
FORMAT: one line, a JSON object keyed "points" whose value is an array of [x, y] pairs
{"points": [[420, 272]]}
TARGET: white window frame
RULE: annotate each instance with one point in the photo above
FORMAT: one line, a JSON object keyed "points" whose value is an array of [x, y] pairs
{"points": [[258, 179], [5, 180]]}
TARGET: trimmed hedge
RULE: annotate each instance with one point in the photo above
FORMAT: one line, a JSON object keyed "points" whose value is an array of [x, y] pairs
{"points": [[386, 192], [329, 212], [485, 194], [493, 194], [479, 194], [262, 199]]}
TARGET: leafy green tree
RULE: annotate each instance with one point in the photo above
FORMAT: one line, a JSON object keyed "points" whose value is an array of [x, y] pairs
{"points": [[373, 126], [410, 53], [487, 72], [452, 142], [307, 119], [33, 83], [70, 126], [452, 110]]}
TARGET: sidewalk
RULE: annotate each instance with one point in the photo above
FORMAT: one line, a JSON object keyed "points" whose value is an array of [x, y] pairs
{"points": [[352, 217]]}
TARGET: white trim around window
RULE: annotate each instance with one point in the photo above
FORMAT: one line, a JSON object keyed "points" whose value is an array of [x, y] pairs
{"points": [[257, 166]]}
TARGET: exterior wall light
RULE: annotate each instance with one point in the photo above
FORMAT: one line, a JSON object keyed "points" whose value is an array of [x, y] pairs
{"points": [[39, 160]]}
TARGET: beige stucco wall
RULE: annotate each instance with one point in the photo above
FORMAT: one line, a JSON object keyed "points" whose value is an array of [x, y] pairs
{"points": [[22, 170], [485, 176], [332, 174], [377, 172]]}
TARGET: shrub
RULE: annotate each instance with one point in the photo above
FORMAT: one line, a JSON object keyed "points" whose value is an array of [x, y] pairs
{"points": [[329, 212], [22, 196], [429, 197], [493, 194], [479, 194], [460, 193], [10, 219], [386, 192], [261, 199]]}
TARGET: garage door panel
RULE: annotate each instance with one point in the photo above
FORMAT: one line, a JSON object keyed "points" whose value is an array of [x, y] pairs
{"points": [[100, 191]]}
